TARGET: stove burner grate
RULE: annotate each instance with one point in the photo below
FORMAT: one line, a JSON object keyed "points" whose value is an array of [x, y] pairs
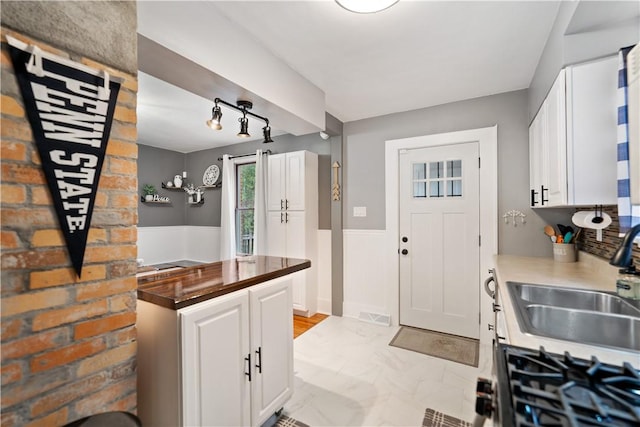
{"points": [[560, 390]]}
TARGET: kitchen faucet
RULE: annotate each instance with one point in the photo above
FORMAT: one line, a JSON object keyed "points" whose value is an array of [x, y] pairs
{"points": [[622, 257]]}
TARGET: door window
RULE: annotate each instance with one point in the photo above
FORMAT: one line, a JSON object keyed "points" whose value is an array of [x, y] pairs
{"points": [[437, 179]]}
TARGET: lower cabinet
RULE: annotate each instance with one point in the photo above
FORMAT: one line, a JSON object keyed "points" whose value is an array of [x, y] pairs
{"points": [[232, 362]]}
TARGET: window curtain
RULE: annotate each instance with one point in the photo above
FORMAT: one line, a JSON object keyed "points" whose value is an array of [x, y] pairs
{"points": [[628, 213], [228, 210], [260, 205]]}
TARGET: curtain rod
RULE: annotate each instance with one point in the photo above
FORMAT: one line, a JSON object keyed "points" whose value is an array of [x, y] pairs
{"points": [[245, 155]]}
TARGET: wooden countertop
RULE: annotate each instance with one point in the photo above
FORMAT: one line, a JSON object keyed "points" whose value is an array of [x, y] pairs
{"points": [[179, 288]]}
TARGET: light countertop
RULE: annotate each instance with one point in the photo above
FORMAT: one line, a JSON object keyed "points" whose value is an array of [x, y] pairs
{"points": [[589, 273]]}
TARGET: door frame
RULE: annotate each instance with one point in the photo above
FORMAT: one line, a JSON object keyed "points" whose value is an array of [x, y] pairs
{"points": [[487, 139]]}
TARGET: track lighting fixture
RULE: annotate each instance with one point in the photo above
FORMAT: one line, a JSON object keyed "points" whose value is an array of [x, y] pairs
{"points": [[216, 115], [244, 127], [243, 107]]}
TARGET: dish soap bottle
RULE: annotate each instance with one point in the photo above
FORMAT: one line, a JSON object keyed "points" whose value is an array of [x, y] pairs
{"points": [[628, 284]]}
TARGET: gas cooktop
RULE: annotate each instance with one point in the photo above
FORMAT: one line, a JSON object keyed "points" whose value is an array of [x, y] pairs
{"points": [[546, 389]]}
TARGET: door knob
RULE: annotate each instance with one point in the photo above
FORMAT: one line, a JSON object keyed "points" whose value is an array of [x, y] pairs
{"points": [[404, 252]]}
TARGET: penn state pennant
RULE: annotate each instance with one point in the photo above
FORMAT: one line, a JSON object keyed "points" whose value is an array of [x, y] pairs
{"points": [[70, 109]]}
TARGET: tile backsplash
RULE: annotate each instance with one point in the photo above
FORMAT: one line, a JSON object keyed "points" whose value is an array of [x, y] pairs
{"points": [[610, 239]]}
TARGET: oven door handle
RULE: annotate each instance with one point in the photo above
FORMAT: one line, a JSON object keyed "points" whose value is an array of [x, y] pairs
{"points": [[487, 289]]}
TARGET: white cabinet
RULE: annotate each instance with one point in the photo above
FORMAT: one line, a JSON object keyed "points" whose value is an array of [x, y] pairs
{"points": [[573, 138], [227, 361], [292, 220]]}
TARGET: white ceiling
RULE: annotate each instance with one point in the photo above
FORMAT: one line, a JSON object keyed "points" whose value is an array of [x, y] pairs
{"points": [[414, 55]]}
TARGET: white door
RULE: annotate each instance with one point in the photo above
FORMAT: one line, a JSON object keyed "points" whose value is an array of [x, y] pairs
{"points": [[296, 248], [215, 347], [272, 346], [556, 143], [277, 232], [439, 218]]}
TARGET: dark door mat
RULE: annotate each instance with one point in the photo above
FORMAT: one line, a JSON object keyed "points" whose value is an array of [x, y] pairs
{"points": [[444, 346]]}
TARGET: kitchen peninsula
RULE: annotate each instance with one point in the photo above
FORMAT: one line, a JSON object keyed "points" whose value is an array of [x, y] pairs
{"points": [[215, 342]]}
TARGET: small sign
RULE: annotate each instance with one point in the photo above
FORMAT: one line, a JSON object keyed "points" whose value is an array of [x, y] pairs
{"points": [[70, 108]]}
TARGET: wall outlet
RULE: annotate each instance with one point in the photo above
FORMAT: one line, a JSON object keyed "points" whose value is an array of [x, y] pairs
{"points": [[360, 211]]}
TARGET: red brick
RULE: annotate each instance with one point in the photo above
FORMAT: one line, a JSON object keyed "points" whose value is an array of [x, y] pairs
{"points": [[64, 276], [20, 130], [13, 151], [124, 235], [20, 173], [114, 217], [123, 302], [124, 114], [40, 195], [32, 386], [106, 359], [119, 182], [65, 395], [123, 269], [127, 97], [9, 240], [105, 397], [124, 200], [33, 344], [66, 355], [10, 106], [34, 259], [119, 338], [96, 327], [57, 418], [52, 318], [13, 194], [123, 131], [109, 253], [121, 148], [27, 218], [11, 328], [11, 373], [10, 419], [33, 301], [107, 288], [54, 237]]}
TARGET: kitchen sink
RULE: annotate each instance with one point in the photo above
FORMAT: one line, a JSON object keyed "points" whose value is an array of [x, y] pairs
{"points": [[579, 315]]}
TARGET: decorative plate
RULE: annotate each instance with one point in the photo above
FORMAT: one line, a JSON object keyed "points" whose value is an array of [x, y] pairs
{"points": [[211, 175]]}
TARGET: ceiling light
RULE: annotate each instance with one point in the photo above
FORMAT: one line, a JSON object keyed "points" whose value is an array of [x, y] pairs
{"points": [[266, 131], [366, 6], [244, 127], [242, 106], [216, 115]]}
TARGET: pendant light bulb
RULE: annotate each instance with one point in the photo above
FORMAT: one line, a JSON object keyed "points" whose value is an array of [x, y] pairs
{"points": [[216, 115], [244, 127]]}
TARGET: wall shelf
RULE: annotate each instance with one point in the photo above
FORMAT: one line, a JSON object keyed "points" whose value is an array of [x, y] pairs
{"points": [[171, 188], [201, 202], [155, 201]]}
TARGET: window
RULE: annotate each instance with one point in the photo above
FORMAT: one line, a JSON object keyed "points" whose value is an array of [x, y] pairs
{"points": [[245, 196], [437, 179]]}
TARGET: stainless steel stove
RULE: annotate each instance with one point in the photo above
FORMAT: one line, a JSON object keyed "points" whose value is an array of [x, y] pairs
{"points": [[537, 388]]}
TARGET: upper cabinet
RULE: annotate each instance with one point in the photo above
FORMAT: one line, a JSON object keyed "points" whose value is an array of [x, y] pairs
{"points": [[572, 139], [287, 181]]}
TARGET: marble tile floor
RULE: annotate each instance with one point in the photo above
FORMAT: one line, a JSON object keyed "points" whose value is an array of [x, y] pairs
{"points": [[346, 374]]}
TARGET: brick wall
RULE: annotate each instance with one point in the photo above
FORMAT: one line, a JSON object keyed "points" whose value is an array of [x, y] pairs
{"points": [[610, 239], [68, 345]]}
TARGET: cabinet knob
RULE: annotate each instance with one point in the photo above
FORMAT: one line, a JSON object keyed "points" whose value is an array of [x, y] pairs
{"points": [[405, 252], [405, 239]]}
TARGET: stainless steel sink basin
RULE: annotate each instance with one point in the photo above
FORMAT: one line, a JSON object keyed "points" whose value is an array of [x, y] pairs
{"points": [[585, 326], [575, 298], [579, 315]]}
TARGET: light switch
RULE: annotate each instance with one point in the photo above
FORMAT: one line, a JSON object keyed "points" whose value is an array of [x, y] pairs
{"points": [[360, 211]]}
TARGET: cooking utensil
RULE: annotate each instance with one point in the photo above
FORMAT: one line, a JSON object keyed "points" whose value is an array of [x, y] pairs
{"points": [[568, 236], [549, 231], [598, 218]]}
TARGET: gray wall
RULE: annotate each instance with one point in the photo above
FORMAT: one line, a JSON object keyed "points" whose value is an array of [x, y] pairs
{"points": [[197, 162], [155, 166], [579, 35], [364, 143]]}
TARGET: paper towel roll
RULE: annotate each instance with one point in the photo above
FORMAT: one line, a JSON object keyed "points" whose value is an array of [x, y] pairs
{"points": [[584, 219]]}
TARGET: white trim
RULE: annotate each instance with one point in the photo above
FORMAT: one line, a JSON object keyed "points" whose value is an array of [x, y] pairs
{"points": [[488, 146]]}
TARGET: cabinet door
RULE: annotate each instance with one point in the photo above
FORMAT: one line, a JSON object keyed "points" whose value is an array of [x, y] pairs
{"points": [[277, 234], [276, 186], [536, 131], [295, 182], [592, 125], [215, 343], [272, 346], [556, 157], [297, 248]]}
